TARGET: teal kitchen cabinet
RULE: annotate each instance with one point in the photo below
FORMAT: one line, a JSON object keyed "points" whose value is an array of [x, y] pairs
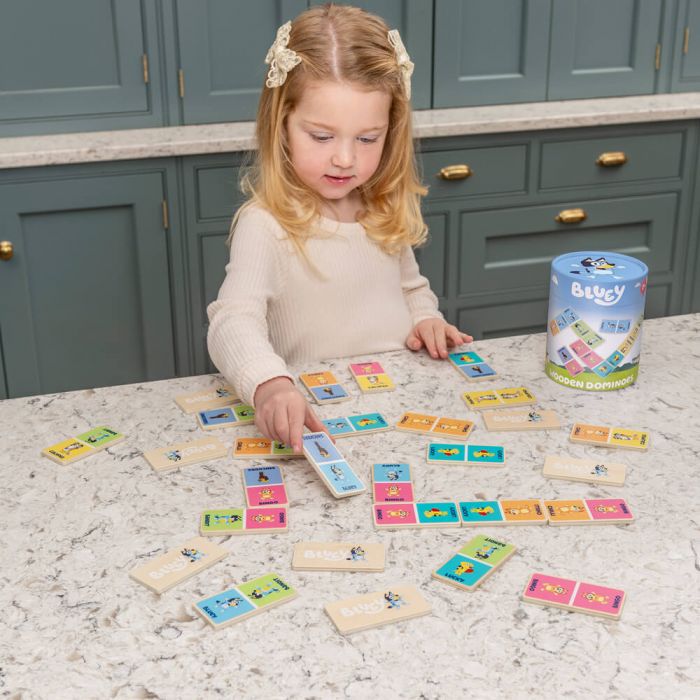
{"points": [[78, 65], [530, 197], [85, 298], [686, 48], [212, 196], [490, 52], [601, 48], [221, 46]]}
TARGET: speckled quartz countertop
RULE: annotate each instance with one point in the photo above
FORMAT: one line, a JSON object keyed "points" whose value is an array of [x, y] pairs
{"points": [[130, 144], [74, 624]]}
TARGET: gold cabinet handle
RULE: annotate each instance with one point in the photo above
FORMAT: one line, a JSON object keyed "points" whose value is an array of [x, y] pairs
{"points": [[455, 172], [571, 216], [7, 250], [611, 159]]}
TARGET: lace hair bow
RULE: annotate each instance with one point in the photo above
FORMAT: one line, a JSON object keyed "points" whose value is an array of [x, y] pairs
{"points": [[403, 59], [280, 59]]}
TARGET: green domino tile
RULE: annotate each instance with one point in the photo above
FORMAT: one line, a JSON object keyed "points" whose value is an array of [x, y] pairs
{"points": [[266, 590]]}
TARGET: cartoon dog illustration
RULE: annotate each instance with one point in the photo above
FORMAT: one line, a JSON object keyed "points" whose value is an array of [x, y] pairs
{"points": [[392, 475], [192, 554], [338, 472], [229, 603], [394, 600], [266, 590], [227, 519], [357, 553], [397, 513], [464, 568], [599, 266], [596, 598], [260, 518], [434, 513], [485, 552]]}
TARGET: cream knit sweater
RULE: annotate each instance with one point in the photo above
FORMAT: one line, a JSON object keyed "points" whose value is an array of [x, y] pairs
{"points": [[273, 309]]}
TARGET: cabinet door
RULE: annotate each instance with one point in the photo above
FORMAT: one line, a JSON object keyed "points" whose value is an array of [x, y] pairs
{"points": [[77, 65], [490, 52], [212, 196], [414, 20], [686, 59], [85, 300], [601, 48], [222, 47]]}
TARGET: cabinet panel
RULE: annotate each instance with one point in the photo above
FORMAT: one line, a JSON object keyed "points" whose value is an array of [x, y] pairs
{"points": [[432, 258], [59, 76], [222, 48], [686, 59], [490, 52], [574, 163], [85, 301], [499, 320], [513, 248], [601, 48], [497, 170], [211, 198]]}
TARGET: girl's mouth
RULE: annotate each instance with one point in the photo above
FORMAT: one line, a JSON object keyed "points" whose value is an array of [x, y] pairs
{"points": [[338, 180]]}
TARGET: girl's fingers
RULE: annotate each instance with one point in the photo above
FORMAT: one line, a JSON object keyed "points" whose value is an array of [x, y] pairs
{"points": [[295, 418]]}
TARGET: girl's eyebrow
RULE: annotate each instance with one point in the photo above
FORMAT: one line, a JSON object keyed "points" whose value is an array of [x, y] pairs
{"points": [[330, 128]]}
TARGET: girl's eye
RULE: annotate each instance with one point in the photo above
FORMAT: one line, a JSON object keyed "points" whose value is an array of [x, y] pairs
{"points": [[321, 138], [368, 139]]}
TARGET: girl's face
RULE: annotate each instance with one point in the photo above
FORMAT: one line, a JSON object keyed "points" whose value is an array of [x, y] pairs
{"points": [[336, 136]]}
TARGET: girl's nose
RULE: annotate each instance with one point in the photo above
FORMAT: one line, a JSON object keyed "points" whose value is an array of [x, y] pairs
{"points": [[344, 156]]}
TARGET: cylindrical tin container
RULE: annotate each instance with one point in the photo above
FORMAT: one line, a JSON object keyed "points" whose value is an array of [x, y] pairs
{"points": [[594, 324]]}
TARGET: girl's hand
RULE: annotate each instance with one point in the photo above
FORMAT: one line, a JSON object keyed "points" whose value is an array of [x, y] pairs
{"points": [[281, 412], [436, 336]]}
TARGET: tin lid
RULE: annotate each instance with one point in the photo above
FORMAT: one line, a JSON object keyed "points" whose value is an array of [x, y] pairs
{"points": [[601, 267]]}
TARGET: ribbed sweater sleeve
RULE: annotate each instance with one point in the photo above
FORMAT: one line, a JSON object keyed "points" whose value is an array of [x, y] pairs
{"points": [[420, 299], [238, 337]]}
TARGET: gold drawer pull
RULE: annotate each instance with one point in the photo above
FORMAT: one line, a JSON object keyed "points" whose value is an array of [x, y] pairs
{"points": [[7, 250], [571, 216], [612, 159], [455, 172]]}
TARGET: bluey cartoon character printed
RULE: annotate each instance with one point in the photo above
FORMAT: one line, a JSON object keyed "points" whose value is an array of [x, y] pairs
{"points": [[394, 600]]}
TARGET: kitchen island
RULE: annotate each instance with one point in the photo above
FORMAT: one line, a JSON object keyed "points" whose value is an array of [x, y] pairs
{"points": [[76, 626]]}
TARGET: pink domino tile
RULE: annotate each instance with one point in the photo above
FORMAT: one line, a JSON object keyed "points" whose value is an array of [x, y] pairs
{"points": [[580, 348], [387, 492], [549, 589], [364, 368], [592, 359], [265, 518], [599, 599], [275, 495], [609, 509], [394, 514]]}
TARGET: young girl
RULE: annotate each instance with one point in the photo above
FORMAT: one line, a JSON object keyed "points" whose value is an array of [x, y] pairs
{"points": [[321, 261]]}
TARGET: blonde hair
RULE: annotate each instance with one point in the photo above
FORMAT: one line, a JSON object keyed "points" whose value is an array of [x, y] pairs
{"points": [[339, 43]]}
